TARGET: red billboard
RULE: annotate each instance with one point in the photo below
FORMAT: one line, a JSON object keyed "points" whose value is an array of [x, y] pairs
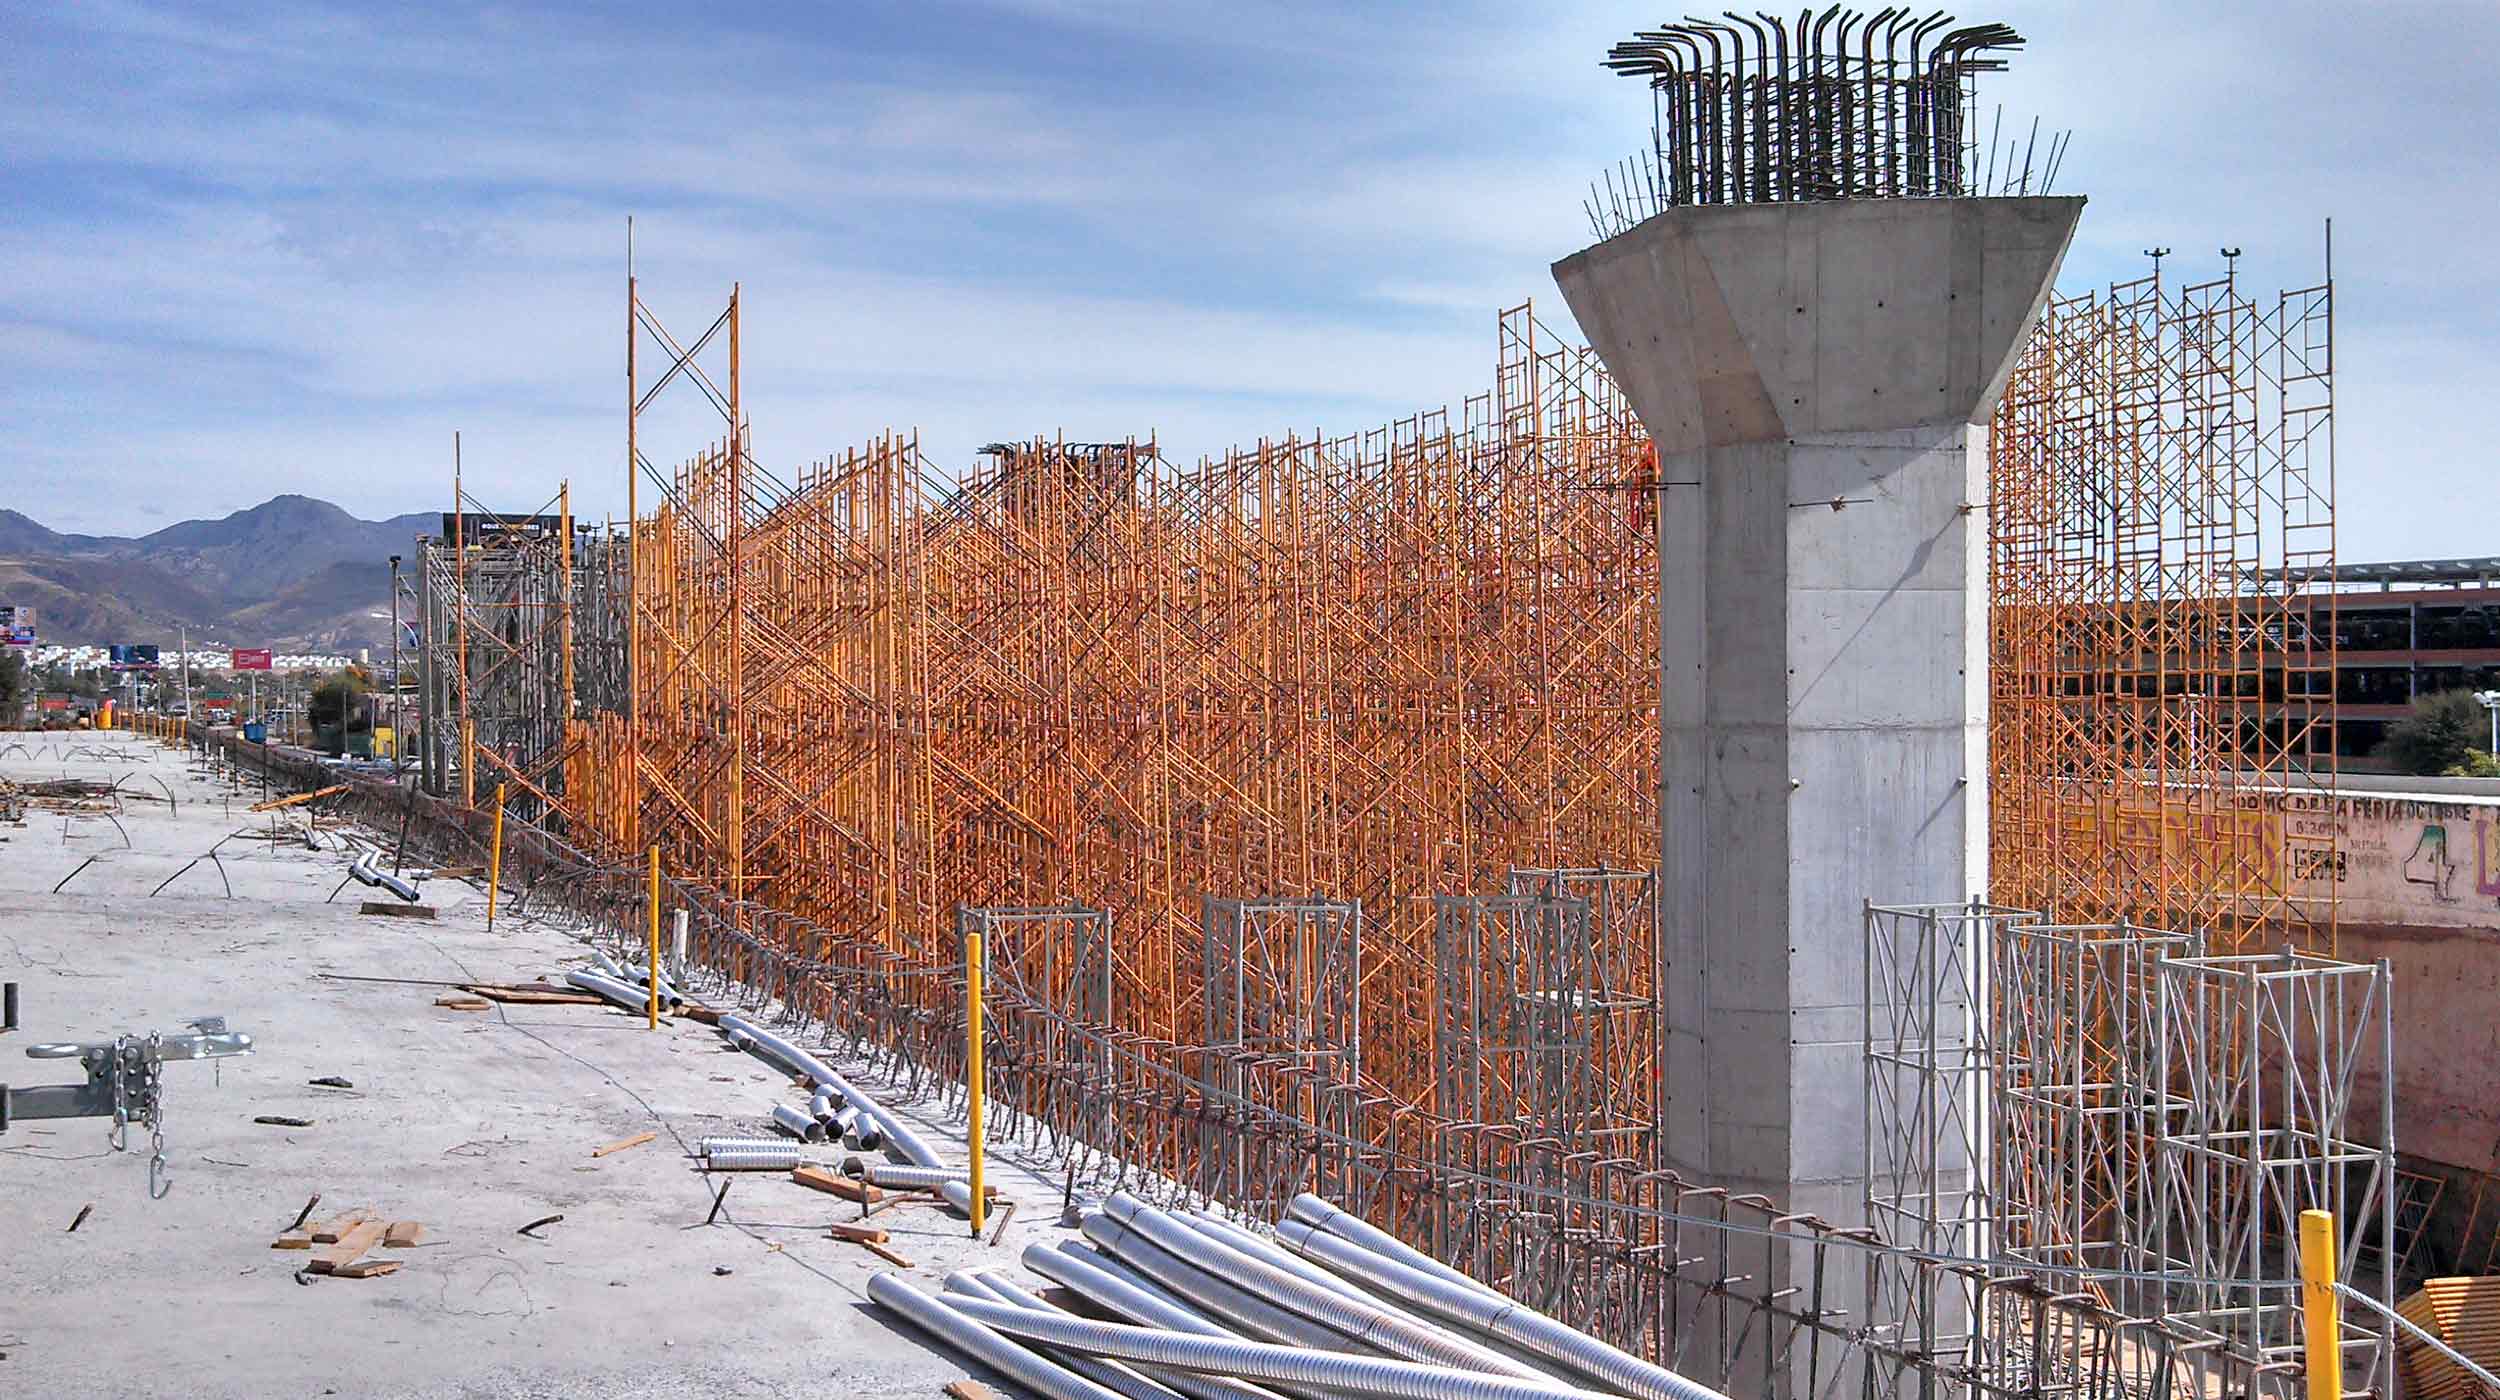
{"points": [[251, 658]]}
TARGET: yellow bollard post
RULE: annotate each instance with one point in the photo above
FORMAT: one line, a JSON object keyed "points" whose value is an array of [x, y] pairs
{"points": [[655, 939], [972, 1073], [2321, 1310], [494, 861]]}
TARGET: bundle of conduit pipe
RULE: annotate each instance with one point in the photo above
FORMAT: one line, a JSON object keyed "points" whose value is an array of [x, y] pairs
{"points": [[368, 871], [1330, 1307], [626, 988], [866, 1122]]}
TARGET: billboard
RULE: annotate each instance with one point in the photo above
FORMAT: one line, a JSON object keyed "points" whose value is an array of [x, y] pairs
{"points": [[17, 626], [134, 658], [251, 658]]}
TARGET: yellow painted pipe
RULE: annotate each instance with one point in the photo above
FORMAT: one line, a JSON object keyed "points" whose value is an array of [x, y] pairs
{"points": [[494, 861], [972, 1073], [2321, 1310], [655, 939]]}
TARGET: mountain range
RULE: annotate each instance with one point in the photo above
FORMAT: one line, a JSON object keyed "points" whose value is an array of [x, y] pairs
{"points": [[292, 574]]}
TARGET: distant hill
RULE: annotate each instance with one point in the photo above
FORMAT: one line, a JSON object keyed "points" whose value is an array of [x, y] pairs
{"points": [[291, 573]]}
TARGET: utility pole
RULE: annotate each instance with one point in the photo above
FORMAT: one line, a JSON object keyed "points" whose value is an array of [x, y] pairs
{"points": [[399, 731], [182, 640]]}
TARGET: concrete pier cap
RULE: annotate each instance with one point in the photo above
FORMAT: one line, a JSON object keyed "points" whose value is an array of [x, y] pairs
{"points": [[1817, 378]]}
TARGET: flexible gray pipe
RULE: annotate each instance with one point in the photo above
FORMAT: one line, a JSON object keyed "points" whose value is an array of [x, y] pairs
{"points": [[1098, 1280], [778, 1158], [1497, 1317], [949, 1325], [705, 1147], [797, 1124], [1197, 1386], [910, 1178], [1226, 1302], [634, 999], [633, 976], [1070, 1267], [898, 1135], [1358, 1320], [1110, 1374], [1315, 1211], [1360, 1375], [1214, 1226]]}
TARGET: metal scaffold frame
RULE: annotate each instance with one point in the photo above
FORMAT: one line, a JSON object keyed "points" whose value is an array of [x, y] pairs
{"points": [[516, 619], [2271, 1071], [2161, 709]]}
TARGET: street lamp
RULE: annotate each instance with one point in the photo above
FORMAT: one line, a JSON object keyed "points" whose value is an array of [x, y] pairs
{"points": [[2490, 701]]}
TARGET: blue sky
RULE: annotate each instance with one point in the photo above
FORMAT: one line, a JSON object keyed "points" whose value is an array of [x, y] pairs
{"points": [[280, 247]]}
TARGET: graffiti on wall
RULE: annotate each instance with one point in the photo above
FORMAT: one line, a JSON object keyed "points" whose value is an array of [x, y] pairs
{"points": [[2414, 863]]}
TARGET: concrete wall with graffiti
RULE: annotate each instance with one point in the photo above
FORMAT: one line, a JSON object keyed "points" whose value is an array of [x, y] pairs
{"points": [[2403, 862], [2418, 884]]}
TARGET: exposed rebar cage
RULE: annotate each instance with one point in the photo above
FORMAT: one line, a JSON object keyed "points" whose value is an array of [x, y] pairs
{"points": [[1836, 105], [2161, 518]]}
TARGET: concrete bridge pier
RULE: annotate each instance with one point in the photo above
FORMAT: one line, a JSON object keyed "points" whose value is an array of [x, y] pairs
{"points": [[1818, 378]]}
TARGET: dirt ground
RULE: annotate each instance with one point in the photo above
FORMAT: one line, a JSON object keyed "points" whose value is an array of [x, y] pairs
{"points": [[473, 1123]]}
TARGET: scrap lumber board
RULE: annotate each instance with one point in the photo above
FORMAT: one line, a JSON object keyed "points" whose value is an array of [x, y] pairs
{"points": [[298, 799], [365, 1268], [636, 1140], [465, 1003], [900, 1261], [836, 1184], [856, 1233], [334, 1229], [533, 994], [396, 911], [292, 1239], [351, 1246], [403, 1234], [969, 1390]]}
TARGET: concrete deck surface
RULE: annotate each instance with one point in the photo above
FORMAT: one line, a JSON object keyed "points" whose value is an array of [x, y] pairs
{"points": [[473, 1123]]}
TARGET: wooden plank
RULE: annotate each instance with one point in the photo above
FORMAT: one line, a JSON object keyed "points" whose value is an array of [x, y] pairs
{"points": [[704, 1014], [396, 911], [351, 1247], [969, 1390], [292, 1239], [366, 1268], [857, 1233], [636, 1140], [332, 1230], [836, 1184], [535, 996], [402, 1234], [465, 1003], [897, 1260], [298, 799]]}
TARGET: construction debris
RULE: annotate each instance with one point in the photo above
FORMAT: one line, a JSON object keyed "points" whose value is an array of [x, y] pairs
{"points": [[299, 799], [281, 1120], [396, 911], [636, 1140]]}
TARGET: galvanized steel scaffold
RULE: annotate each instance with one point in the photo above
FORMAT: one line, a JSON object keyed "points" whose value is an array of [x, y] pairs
{"points": [[2110, 1112]]}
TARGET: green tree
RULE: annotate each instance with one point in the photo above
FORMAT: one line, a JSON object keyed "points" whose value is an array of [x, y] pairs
{"points": [[2443, 732], [15, 686], [333, 703]]}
